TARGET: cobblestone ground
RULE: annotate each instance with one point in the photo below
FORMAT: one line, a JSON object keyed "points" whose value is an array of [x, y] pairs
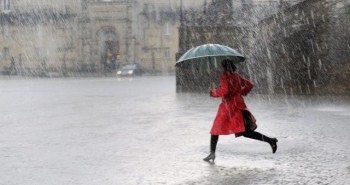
{"points": [[139, 131]]}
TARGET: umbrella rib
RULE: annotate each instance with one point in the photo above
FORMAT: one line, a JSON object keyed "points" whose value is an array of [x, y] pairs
{"points": [[220, 55], [209, 50]]}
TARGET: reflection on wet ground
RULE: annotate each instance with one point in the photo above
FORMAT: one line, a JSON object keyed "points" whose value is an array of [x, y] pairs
{"points": [[139, 131]]}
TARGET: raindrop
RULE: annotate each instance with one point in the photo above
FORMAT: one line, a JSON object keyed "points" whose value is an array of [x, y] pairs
{"points": [[249, 70], [319, 49], [289, 75], [282, 83], [284, 50], [268, 53], [312, 46], [308, 67], [308, 89], [270, 80], [309, 72], [312, 14]]}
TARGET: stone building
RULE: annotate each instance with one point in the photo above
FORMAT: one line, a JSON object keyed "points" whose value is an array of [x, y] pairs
{"points": [[304, 49], [34, 40], [292, 47], [143, 32], [225, 22], [87, 36]]}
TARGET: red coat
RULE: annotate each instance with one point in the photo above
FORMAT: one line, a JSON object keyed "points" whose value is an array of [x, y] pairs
{"points": [[229, 119]]}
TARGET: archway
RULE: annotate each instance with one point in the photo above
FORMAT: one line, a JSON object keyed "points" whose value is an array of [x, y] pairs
{"points": [[109, 49]]}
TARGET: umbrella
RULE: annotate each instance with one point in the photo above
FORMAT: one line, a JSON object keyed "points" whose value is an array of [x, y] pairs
{"points": [[204, 55]]}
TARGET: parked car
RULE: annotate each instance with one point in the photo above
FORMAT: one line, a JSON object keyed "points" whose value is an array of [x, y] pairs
{"points": [[131, 70]]}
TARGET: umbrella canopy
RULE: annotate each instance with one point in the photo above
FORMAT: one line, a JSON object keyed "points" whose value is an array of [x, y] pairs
{"points": [[208, 53]]}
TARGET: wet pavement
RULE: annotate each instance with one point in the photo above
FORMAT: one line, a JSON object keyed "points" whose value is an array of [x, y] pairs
{"points": [[140, 131]]}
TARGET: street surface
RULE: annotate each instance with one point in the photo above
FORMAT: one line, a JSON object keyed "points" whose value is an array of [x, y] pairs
{"points": [[127, 131]]}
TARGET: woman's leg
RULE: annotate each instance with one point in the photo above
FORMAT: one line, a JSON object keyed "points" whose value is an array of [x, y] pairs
{"points": [[213, 142], [261, 137], [257, 136]]}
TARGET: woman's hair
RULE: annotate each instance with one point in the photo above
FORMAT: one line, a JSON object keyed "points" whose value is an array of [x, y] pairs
{"points": [[228, 65]]}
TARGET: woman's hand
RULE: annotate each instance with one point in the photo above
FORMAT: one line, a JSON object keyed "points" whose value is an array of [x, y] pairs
{"points": [[210, 89]]}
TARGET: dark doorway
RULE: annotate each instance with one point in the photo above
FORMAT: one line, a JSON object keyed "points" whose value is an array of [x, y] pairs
{"points": [[110, 55], [109, 48]]}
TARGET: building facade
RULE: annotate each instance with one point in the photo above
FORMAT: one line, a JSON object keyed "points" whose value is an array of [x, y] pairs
{"points": [[87, 36], [292, 47], [34, 40], [226, 22]]}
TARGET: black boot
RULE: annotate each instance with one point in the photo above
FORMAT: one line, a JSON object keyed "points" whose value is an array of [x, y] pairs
{"points": [[261, 137], [273, 144], [213, 141], [211, 156]]}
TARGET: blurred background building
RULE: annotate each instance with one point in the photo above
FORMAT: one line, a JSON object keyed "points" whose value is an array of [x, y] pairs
{"points": [[88, 36], [292, 47], [307, 40]]}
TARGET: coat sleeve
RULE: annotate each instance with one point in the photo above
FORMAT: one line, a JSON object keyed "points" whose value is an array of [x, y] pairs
{"points": [[247, 86], [223, 89]]}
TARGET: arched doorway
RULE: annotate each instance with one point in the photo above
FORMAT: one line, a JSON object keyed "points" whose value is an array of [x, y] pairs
{"points": [[108, 44]]}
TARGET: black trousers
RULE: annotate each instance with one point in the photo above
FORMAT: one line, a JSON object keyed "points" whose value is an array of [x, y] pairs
{"points": [[248, 134]]}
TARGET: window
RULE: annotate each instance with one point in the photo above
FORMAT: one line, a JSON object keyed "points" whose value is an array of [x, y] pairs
{"points": [[167, 54], [5, 53], [5, 29], [6, 6], [167, 29]]}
